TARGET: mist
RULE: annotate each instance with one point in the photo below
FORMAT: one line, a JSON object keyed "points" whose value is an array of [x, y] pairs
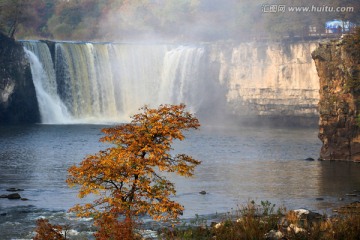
{"points": [[194, 23], [173, 21], [244, 56], [253, 63]]}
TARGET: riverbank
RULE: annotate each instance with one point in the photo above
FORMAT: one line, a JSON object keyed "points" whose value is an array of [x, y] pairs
{"points": [[264, 221], [254, 221]]}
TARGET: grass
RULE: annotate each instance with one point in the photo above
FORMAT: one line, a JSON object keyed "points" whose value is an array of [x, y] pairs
{"points": [[260, 221]]}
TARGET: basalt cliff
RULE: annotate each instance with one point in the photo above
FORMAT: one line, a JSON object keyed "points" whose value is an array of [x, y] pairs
{"points": [[18, 102], [338, 67]]}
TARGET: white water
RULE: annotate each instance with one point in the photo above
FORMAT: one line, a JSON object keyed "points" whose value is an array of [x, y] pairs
{"points": [[102, 83], [52, 110]]}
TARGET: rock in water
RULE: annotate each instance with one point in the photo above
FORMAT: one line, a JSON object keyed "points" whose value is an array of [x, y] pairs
{"points": [[14, 189], [14, 196]]}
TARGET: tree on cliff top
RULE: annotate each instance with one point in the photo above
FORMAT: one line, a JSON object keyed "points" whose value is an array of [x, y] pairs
{"points": [[128, 176], [13, 13]]}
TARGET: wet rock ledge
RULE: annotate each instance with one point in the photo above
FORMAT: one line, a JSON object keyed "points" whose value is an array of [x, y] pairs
{"points": [[18, 103]]}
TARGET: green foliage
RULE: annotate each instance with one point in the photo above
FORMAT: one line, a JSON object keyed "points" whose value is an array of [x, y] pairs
{"points": [[357, 119], [173, 19], [352, 47]]}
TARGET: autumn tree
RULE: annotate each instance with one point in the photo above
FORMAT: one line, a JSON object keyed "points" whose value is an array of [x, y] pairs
{"points": [[128, 177], [47, 231]]}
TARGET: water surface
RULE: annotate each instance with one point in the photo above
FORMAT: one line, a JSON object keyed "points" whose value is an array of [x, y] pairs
{"points": [[238, 165]]}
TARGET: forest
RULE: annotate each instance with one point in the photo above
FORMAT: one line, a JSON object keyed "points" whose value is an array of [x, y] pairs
{"points": [[175, 20]]}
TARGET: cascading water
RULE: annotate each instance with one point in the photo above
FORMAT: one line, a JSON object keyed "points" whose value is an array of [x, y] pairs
{"points": [[99, 83], [52, 110]]}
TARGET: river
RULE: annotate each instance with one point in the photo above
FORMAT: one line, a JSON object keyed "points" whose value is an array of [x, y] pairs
{"points": [[238, 165]]}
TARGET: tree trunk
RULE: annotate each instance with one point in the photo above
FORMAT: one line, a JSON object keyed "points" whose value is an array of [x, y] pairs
{"points": [[12, 30]]}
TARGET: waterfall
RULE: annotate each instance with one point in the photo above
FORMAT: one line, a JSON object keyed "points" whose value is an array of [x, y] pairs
{"points": [[104, 82], [52, 110]]}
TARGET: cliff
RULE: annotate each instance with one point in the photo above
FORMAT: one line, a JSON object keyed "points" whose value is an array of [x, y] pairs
{"points": [[271, 83], [256, 83], [338, 67], [18, 102]]}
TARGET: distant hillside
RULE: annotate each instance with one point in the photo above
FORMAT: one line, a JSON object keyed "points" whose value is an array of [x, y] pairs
{"points": [[175, 20]]}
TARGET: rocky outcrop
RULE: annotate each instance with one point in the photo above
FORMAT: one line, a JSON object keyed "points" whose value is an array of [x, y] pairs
{"points": [[270, 81], [338, 66], [18, 102]]}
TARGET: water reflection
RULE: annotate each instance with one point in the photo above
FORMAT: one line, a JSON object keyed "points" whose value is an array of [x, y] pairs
{"points": [[36, 158], [338, 179], [238, 165]]}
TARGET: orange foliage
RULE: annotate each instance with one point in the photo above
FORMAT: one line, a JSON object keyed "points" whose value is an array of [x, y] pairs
{"points": [[47, 231], [111, 228], [128, 176]]}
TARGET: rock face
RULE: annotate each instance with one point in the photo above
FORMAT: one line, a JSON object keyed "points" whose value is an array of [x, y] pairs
{"points": [[18, 102], [271, 81], [338, 66], [255, 82]]}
